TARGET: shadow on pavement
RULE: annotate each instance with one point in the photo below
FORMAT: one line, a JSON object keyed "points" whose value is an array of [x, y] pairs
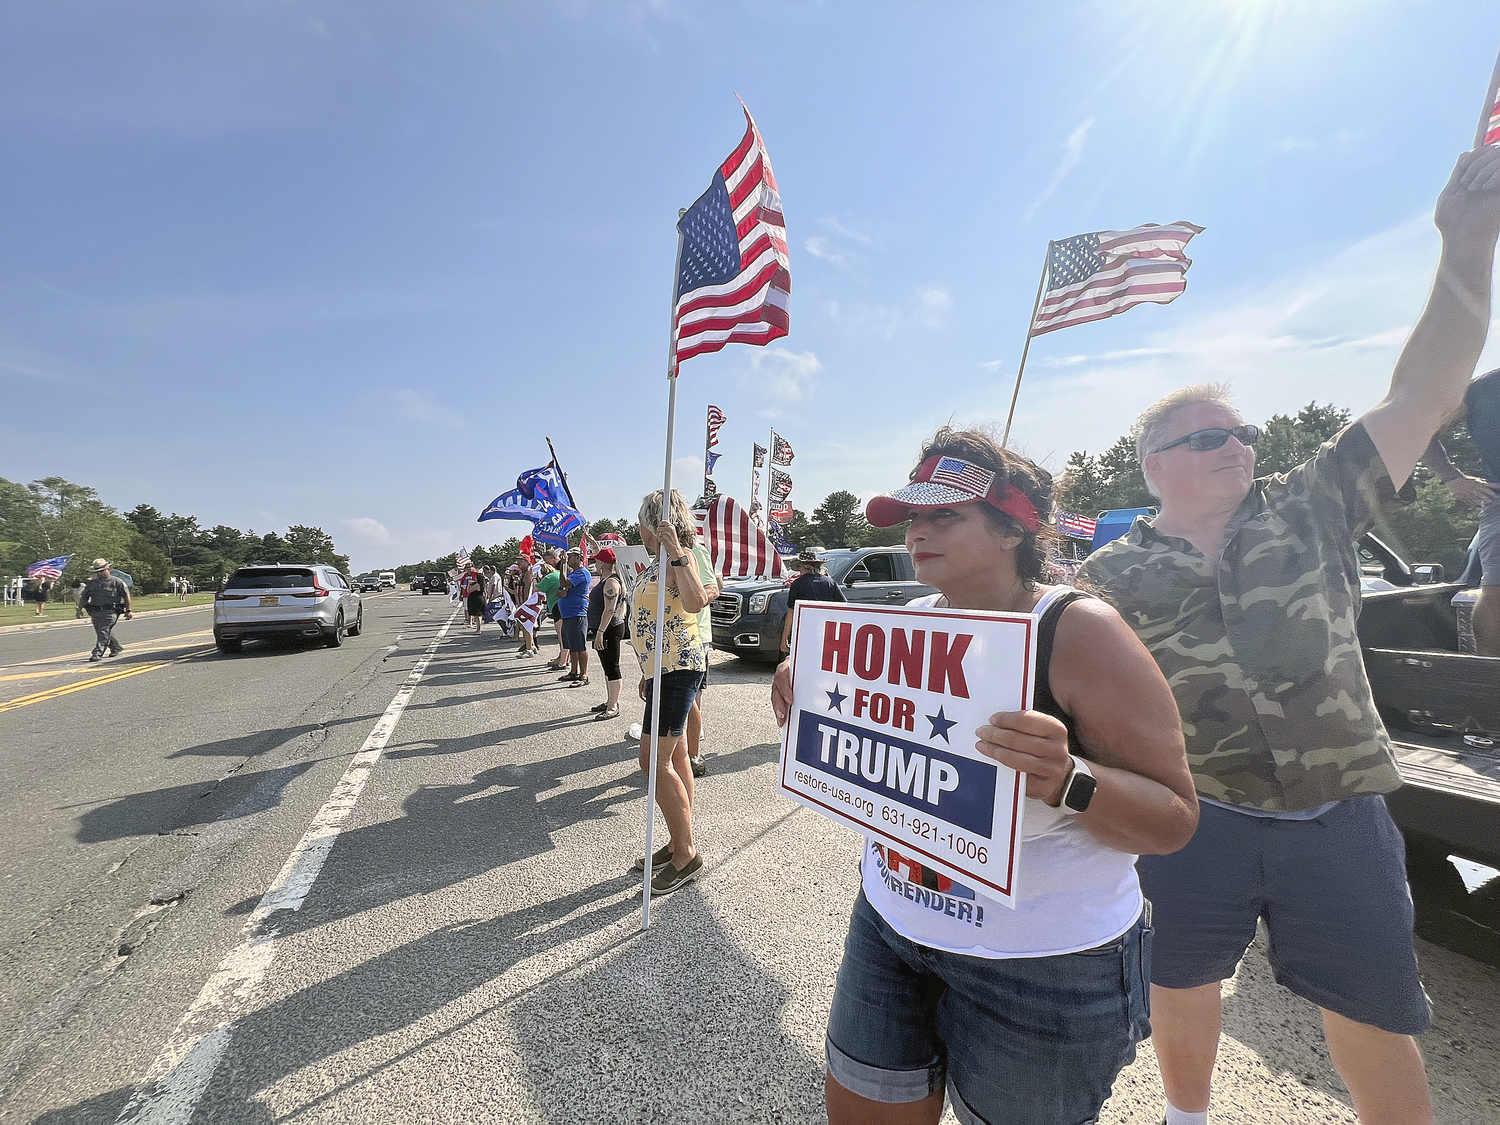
{"points": [[100, 1110], [178, 807]]}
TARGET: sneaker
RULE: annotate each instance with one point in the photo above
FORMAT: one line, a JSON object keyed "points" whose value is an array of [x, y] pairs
{"points": [[600, 707], [700, 767], [95, 659], [607, 713], [670, 877], [568, 678], [662, 855]]}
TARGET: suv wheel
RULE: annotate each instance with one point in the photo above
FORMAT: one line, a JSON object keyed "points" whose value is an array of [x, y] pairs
{"points": [[335, 636], [359, 623]]}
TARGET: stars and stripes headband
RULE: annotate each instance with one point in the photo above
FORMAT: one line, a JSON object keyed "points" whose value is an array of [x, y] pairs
{"points": [[943, 482]]}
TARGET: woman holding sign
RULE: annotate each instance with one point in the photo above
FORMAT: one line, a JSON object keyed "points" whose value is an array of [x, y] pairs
{"points": [[1023, 1013]]}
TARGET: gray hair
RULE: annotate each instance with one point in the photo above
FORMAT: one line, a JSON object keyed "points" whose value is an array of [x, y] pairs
{"points": [[682, 516], [1150, 429]]}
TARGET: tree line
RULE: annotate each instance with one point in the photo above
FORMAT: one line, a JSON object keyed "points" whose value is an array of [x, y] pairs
{"points": [[53, 516]]}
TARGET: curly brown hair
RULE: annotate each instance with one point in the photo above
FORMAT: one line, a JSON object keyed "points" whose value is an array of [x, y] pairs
{"points": [[980, 447]]}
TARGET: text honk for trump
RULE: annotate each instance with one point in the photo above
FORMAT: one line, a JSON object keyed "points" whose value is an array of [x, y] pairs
{"points": [[881, 730]]}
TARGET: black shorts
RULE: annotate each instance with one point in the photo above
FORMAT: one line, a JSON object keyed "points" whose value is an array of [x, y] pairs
{"points": [[555, 613]]}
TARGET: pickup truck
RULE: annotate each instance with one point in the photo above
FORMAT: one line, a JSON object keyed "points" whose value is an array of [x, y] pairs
{"points": [[748, 615]]}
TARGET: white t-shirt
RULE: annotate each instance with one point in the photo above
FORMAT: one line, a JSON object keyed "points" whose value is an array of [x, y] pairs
{"points": [[1072, 891]]}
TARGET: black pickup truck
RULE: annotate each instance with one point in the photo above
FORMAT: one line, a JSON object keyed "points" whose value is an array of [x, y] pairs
{"points": [[1440, 703], [748, 615]]}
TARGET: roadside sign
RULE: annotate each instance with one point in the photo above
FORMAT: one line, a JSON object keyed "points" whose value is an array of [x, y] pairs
{"points": [[885, 702]]}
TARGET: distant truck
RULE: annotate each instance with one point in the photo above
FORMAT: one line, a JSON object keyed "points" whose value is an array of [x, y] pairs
{"points": [[387, 579], [748, 615]]}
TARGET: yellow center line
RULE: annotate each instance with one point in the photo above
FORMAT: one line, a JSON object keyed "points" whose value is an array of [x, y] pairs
{"points": [[86, 669], [156, 645], [68, 689]]}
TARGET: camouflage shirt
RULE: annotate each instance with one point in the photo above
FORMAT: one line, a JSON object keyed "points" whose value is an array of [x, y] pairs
{"points": [[1261, 653]]}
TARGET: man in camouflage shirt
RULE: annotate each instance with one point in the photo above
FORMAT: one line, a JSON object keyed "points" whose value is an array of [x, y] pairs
{"points": [[1246, 592], [106, 599]]}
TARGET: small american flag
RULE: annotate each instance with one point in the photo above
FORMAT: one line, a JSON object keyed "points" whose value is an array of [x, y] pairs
{"points": [[781, 450], [461, 559], [733, 277], [1492, 130], [736, 544], [1075, 526], [1097, 275], [48, 568], [955, 473], [716, 419]]}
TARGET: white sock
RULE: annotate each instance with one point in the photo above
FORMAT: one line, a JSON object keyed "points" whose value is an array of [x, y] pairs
{"points": [[1177, 1116]]}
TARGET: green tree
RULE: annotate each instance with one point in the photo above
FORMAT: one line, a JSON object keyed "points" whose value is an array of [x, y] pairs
{"points": [[799, 532], [1121, 482], [1080, 487], [839, 521], [1287, 442]]}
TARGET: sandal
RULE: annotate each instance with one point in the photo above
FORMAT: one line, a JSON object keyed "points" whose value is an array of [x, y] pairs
{"points": [[607, 713], [582, 681], [600, 707]]}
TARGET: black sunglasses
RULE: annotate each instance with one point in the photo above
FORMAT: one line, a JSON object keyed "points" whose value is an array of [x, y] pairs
{"points": [[1200, 441]]}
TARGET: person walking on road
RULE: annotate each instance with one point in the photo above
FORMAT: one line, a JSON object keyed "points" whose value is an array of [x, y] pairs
{"points": [[573, 611], [40, 589], [609, 608], [106, 599], [683, 660]]}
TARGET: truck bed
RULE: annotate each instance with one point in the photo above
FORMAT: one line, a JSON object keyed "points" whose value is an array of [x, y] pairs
{"points": [[1451, 798]]}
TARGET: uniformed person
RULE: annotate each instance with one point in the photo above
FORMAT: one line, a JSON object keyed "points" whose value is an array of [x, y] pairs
{"points": [[106, 599]]}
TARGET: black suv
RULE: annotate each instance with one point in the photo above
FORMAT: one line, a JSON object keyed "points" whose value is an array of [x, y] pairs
{"points": [[748, 615], [434, 580]]}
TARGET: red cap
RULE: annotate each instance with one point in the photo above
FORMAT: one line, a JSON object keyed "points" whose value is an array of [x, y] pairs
{"points": [[605, 554], [945, 482]]}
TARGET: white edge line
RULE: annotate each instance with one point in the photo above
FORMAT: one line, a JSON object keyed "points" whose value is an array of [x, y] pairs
{"points": [[170, 1091]]}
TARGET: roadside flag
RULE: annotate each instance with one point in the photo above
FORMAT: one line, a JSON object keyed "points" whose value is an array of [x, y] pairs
{"points": [[1075, 526], [781, 486], [781, 450], [716, 420], [1098, 275], [758, 458], [733, 274], [48, 568], [713, 459], [735, 543]]}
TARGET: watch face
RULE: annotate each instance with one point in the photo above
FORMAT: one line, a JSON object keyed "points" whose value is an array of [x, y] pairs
{"points": [[1080, 792]]}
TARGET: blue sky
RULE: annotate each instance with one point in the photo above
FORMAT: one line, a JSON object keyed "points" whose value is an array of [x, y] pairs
{"points": [[346, 264]]}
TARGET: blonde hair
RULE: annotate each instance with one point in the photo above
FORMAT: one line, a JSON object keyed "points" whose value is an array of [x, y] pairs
{"points": [[1150, 428], [681, 518]]}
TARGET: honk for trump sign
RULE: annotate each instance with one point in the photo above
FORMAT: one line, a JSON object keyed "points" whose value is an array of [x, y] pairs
{"points": [[885, 703]]}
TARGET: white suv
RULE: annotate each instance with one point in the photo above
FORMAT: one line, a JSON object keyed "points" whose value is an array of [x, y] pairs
{"points": [[287, 600]]}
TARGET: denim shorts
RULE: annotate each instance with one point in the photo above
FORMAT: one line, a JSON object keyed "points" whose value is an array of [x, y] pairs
{"points": [[572, 634], [1333, 895], [678, 690], [1018, 1040]]}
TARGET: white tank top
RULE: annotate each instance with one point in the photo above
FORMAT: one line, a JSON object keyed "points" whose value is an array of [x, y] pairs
{"points": [[1073, 892]]}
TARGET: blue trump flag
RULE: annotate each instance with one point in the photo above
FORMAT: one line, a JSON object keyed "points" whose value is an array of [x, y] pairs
{"points": [[541, 497]]}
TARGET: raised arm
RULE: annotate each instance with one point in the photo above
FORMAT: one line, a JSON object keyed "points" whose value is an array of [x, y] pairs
{"points": [[1439, 357]]}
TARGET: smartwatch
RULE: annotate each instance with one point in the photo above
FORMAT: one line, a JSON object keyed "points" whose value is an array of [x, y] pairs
{"points": [[1078, 790], [679, 562]]}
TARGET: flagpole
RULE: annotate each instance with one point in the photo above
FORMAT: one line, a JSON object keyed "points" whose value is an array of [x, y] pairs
{"points": [[1030, 324], [1489, 105], [661, 593], [562, 474]]}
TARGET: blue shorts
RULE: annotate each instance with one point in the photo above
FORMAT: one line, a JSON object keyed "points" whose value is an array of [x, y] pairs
{"points": [[1333, 895], [572, 634], [1020, 1040], [678, 690]]}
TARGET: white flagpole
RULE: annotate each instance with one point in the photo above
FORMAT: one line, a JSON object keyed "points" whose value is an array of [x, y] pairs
{"points": [[1030, 327], [661, 593]]}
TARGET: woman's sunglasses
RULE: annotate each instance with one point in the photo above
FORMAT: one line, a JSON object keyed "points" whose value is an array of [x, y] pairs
{"points": [[1200, 441]]}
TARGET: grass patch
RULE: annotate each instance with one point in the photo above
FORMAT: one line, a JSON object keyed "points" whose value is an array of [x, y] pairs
{"points": [[63, 611]]}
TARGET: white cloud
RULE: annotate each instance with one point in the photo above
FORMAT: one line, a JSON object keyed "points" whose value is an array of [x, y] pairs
{"points": [[819, 247], [1072, 154], [927, 307], [782, 374], [831, 223], [932, 305], [418, 406], [367, 531]]}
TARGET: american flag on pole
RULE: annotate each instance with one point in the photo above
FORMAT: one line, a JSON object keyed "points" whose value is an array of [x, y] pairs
{"points": [[736, 544], [1492, 129], [733, 277], [461, 559], [48, 568], [1093, 276], [1075, 526], [716, 419]]}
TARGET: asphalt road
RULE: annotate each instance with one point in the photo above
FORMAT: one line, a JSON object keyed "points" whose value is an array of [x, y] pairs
{"points": [[450, 934]]}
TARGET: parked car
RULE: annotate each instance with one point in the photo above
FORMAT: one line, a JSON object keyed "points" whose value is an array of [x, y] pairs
{"points": [[748, 615], [286, 600], [434, 582]]}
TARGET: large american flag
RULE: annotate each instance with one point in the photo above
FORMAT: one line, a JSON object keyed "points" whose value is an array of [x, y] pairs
{"points": [[736, 543], [733, 276], [48, 568], [1096, 275]]}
